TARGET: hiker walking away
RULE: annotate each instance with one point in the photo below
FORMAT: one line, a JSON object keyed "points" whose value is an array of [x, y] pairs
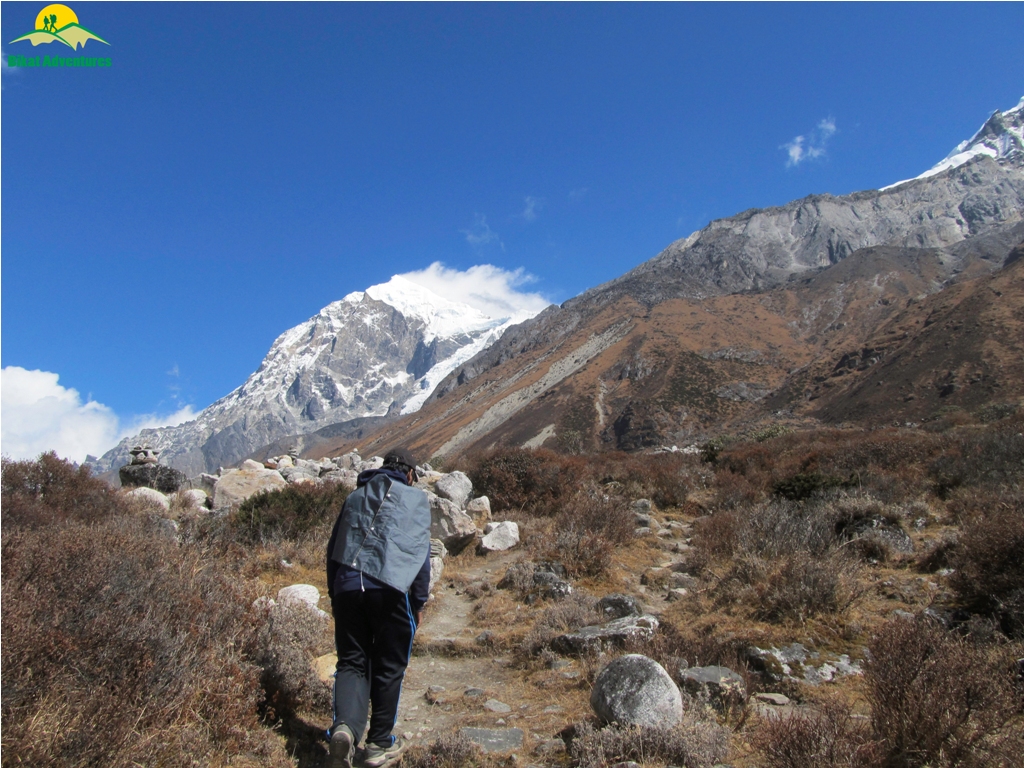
{"points": [[378, 577]]}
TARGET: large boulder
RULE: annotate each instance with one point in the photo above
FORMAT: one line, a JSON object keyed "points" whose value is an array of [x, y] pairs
{"points": [[636, 690], [499, 536], [456, 487], [617, 633], [236, 485], [723, 687], [450, 524], [156, 476]]}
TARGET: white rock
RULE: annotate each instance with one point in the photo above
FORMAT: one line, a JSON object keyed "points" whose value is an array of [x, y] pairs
{"points": [[347, 477], [348, 461], [284, 461], [456, 487], [150, 497], [436, 570], [237, 485], [375, 462], [304, 593], [250, 464], [500, 536]]}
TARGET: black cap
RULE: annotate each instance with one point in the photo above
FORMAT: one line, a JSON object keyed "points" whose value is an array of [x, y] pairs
{"points": [[401, 457]]}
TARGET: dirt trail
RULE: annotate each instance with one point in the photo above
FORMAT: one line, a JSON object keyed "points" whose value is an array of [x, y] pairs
{"points": [[434, 663]]}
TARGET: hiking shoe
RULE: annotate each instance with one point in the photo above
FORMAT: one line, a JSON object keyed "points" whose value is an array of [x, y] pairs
{"points": [[341, 747], [375, 755]]}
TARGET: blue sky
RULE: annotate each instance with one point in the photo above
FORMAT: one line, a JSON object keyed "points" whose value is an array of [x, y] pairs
{"points": [[239, 166]]}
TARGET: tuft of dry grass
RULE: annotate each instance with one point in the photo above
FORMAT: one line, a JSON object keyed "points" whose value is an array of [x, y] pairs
{"points": [[698, 742]]}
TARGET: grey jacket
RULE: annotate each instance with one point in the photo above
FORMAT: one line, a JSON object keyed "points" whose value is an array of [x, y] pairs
{"points": [[384, 531]]}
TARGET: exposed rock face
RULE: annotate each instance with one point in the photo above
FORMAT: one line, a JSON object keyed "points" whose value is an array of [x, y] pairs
{"points": [[149, 475], [636, 690], [372, 353]]}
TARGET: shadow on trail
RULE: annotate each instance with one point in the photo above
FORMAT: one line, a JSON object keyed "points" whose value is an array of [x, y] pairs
{"points": [[305, 742]]}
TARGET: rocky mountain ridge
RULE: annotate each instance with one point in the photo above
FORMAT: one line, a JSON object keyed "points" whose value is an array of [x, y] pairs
{"points": [[710, 330]]}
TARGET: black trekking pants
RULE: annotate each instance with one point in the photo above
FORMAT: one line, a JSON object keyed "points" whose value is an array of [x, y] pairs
{"points": [[373, 633]]}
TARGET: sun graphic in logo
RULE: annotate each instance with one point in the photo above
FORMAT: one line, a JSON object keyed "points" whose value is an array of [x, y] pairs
{"points": [[58, 23]]}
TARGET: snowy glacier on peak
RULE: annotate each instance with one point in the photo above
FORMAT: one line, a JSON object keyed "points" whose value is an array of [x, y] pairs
{"points": [[1000, 136]]}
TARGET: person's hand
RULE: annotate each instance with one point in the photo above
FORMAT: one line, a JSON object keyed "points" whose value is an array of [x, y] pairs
{"points": [[419, 618]]}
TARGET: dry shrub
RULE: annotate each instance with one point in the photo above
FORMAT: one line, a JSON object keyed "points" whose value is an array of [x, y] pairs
{"points": [[939, 700], [799, 587], [292, 635], [452, 750], [664, 478], [714, 537], [539, 481], [588, 529], [827, 737], [985, 457], [50, 491], [698, 742], [119, 647], [989, 565], [520, 479], [734, 490]]}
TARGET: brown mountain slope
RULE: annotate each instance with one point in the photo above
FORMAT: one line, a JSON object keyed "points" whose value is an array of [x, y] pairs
{"points": [[961, 347], [628, 376]]}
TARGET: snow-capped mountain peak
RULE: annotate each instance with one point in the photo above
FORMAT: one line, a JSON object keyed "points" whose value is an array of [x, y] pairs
{"points": [[1001, 137], [372, 353]]}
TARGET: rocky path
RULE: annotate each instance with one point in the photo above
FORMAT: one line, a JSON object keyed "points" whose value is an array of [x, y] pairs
{"points": [[452, 682]]}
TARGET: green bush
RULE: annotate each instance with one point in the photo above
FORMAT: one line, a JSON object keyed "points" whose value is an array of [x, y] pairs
{"points": [[288, 513]]}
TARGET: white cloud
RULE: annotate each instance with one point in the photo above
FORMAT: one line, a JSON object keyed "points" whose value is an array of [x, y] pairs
{"points": [[532, 205], [37, 414], [579, 192], [492, 290], [480, 233], [812, 146]]}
